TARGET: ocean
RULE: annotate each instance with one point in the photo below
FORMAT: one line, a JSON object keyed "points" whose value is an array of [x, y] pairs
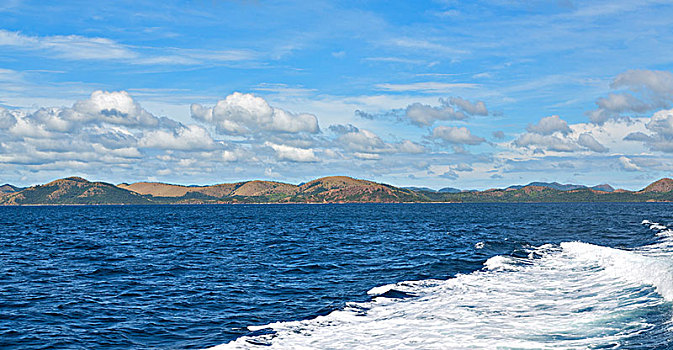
{"points": [[337, 276]]}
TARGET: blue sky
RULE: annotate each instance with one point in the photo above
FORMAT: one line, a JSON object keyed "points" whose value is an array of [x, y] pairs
{"points": [[425, 93]]}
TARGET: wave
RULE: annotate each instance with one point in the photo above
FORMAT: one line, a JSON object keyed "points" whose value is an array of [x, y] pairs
{"points": [[571, 295]]}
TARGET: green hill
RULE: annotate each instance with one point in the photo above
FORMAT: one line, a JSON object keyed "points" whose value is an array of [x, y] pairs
{"points": [[73, 190]]}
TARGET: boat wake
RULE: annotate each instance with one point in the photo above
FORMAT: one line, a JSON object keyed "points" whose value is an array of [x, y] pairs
{"points": [[572, 295]]}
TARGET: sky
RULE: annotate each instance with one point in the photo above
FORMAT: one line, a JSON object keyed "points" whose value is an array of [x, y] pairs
{"points": [[471, 95]]}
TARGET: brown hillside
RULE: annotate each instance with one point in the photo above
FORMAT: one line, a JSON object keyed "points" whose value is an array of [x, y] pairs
{"points": [[347, 189], [156, 189], [262, 188], [249, 188], [73, 190], [663, 185], [533, 189], [7, 188], [218, 191]]}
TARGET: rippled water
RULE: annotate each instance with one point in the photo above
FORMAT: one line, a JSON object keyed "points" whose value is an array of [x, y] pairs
{"points": [[438, 276]]}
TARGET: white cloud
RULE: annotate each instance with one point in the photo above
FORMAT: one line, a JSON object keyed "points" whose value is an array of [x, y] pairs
{"points": [[628, 164], [116, 107], [659, 82], [660, 136], [407, 146], [362, 140], [662, 123], [619, 103], [422, 44], [367, 156], [456, 135], [649, 90], [472, 108], [293, 154], [588, 141], [453, 108], [7, 120], [547, 142], [188, 138], [426, 115], [549, 125], [426, 87], [77, 47], [366, 142], [247, 114], [73, 47]]}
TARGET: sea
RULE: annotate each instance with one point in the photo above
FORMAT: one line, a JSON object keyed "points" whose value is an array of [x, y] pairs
{"points": [[337, 276]]}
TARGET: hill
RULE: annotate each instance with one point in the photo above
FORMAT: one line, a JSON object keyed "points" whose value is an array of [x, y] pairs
{"points": [[73, 190], [333, 189], [7, 189], [342, 189], [663, 185]]}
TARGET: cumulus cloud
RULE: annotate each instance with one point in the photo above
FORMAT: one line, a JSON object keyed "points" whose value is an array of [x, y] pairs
{"points": [[366, 142], [658, 82], [7, 120], [247, 114], [547, 142], [588, 141], [660, 126], [362, 140], [662, 123], [549, 125], [554, 134], [619, 103], [453, 108], [471, 108], [456, 135], [106, 128], [407, 146], [187, 138], [628, 164], [425, 115], [343, 129], [293, 154], [110, 107], [648, 90]]}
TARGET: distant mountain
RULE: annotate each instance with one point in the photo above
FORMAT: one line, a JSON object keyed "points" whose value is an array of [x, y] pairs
{"points": [[603, 187], [333, 189], [7, 188], [427, 189], [423, 189], [563, 187], [449, 190]]}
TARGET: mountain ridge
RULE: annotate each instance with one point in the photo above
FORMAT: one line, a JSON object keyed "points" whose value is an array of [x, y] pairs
{"points": [[331, 189]]}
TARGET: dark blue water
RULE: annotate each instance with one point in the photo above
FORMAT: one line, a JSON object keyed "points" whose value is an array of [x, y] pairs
{"points": [[120, 277]]}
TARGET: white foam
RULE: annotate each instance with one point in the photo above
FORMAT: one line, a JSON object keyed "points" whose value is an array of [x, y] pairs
{"points": [[627, 265], [381, 289], [578, 295]]}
